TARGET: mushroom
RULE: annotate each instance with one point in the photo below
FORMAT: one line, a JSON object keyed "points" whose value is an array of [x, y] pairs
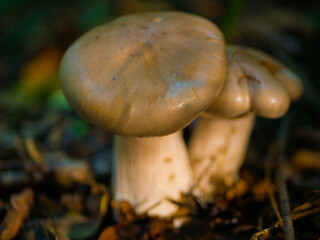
{"points": [[144, 77], [256, 84]]}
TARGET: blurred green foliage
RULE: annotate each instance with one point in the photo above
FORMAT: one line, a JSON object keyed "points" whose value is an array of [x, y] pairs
{"points": [[231, 18]]}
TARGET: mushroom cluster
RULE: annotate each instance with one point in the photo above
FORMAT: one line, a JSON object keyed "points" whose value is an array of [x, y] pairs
{"points": [[144, 77]]}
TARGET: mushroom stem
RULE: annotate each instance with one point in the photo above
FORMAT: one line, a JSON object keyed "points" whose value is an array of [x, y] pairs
{"points": [[217, 149], [149, 171]]}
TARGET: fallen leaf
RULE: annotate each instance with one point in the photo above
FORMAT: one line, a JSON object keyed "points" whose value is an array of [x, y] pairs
{"points": [[68, 171], [124, 211], [238, 190], [158, 226], [261, 188], [43, 65], [21, 206], [104, 204], [38, 78], [33, 151], [306, 159], [23, 202], [109, 233], [11, 225]]}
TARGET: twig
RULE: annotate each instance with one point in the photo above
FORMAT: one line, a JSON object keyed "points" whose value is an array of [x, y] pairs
{"points": [[268, 165], [262, 234], [281, 181], [276, 151], [313, 202], [284, 203]]}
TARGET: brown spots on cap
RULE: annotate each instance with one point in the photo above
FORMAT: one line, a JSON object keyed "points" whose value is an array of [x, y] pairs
{"points": [[195, 160], [148, 43], [172, 177], [230, 59], [136, 54], [194, 91], [217, 40], [233, 130], [246, 75], [272, 67], [252, 79], [157, 19], [217, 183], [216, 55], [167, 160], [212, 158]]}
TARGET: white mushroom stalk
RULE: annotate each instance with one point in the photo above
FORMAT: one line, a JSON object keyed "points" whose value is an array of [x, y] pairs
{"points": [[217, 149], [256, 85], [149, 172]]}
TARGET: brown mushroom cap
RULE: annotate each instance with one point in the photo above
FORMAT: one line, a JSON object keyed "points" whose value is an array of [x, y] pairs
{"points": [[255, 83], [145, 74]]}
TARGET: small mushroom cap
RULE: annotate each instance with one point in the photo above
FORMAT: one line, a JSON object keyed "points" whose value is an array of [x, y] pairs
{"points": [[145, 74], [255, 83]]}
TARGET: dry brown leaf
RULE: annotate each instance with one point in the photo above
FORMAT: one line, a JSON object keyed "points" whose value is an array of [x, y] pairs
{"points": [[260, 189], [96, 188], [158, 226], [67, 175], [23, 202], [36, 73], [124, 210], [305, 159], [187, 205], [33, 151], [104, 204], [11, 225], [21, 206], [238, 190], [109, 233]]}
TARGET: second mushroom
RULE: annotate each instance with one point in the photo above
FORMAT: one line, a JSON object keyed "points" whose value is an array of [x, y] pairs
{"points": [[256, 84]]}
